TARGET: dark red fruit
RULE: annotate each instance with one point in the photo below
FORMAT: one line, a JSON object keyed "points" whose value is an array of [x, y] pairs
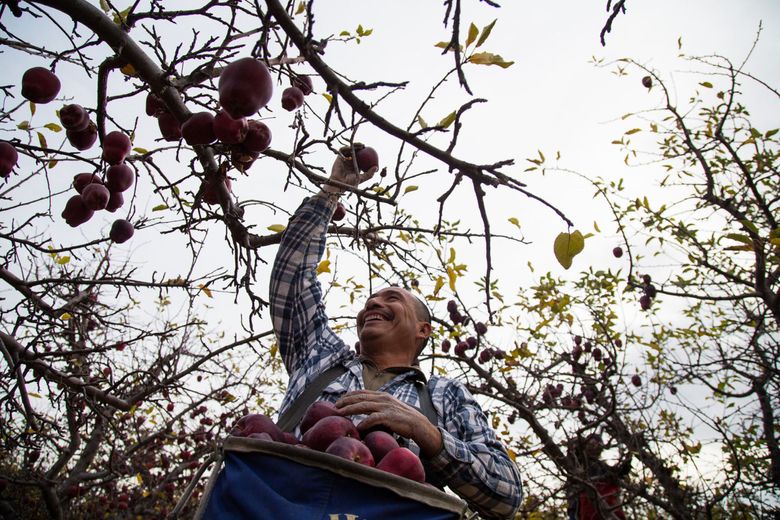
{"points": [[645, 302], [95, 196], [327, 430], [121, 231], [481, 328], [351, 449], [80, 180], [169, 127], [292, 98], [303, 83], [245, 86], [116, 146], [199, 129], [316, 411], [115, 201], [647, 82], [445, 345], [460, 348], [257, 423], [380, 443], [119, 177], [367, 158], [76, 212], [8, 158], [155, 105], [636, 380], [229, 130], [242, 159], [339, 213], [210, 195], [40, 85], [485, 356], [83, 139], [258, 136], [74, 117], [617, 252], [452, 306], [403, 462]]}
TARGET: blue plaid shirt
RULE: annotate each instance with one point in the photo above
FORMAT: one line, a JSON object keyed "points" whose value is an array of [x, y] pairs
{"points": [[473, 463]]}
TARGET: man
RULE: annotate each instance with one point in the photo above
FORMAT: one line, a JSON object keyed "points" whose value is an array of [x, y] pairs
{"points": [[380, 387]]}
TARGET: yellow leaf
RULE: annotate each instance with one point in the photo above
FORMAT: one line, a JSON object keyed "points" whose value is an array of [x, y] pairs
{"points": [[301, 7], [328, 97], [66, 316], [323, 267], [473, 32], [129, 71], [422, 122], [277, 228], [452, 256], [52, 163], [32, 108], [205, 290], [514, 221], [439, 285], [24, 125], [488, 58], [63, 260], [34, 394], [633, 131], [42, 140], [448, 120], [567, 246], [596, 226], [512, 454], [54, 127], [139, 478], [410, 189], [452, 275]]}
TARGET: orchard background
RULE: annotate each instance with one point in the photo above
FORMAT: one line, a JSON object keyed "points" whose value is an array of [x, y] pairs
{"points": [[511, 138]]}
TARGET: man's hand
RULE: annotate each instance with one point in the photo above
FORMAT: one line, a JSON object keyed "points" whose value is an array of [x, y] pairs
{"points": [[385, 410], [345, 172]]}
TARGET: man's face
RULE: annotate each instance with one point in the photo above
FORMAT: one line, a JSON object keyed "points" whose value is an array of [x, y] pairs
{"points": [[391, 314]]}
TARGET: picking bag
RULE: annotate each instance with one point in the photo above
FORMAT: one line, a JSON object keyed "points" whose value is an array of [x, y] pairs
{"points": [[258, 479]]}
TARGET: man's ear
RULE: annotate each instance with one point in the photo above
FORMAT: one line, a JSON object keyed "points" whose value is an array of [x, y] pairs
{"points": [[424, 329]]}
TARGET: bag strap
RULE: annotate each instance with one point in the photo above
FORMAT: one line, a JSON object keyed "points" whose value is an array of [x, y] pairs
{"points": [[293, 415]]}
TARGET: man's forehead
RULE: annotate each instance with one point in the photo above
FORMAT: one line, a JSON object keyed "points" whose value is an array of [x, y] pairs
{"points": [[390, 290]]}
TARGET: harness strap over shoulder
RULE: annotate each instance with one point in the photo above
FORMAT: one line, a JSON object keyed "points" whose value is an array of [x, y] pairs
{"points": [[290, 418]]}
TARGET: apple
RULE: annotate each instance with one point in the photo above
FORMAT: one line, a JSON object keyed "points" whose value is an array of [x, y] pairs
{"points": [[121, 231], [327, 430], [245, 86], [367, 158], [258, 136], [647, 82], [229, 130], [445, 345], [170, 129], [8, 158], [40, 85], [316, 411], [636, 380], [74, 117], [481, 328], [119, 177], [95, 196], [339, 213], [199, 129], [452, 306], [170, 407], [116, 146], [460, 348], [303, 83], [617, 252], [351, 449], [76, 211], [256, 423], [154, 105], [289, 438], [81, 180], [292, 98], [210, 195], [403, 462], [380, 443], [115, 201], [645, 302], [485, 356], [242, 159], [83, 139]]}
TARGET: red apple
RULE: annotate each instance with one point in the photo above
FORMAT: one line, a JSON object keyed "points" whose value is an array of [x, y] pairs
{"points": [[292, 98], [121, 231], [76, 212], [339, 213], [116, 146], [351, 449], [304, 83], [83, 139], [115, 201], [258, 136], [169, 127], [154, 105], [95, 196], [289, 438], [119, 177], [403, 462], [245, 86], [40, 85], [242, 159], [229, 130], [74, 117], [80, 180], [327, 430], [263, 436], [256, 423], [8, 158], [210, 195], [380, 443], [199, 129], [366, 158], [316, 411]]}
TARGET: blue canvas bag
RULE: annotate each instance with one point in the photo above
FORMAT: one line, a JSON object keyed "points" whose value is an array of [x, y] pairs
{"points": [[256, 479]]}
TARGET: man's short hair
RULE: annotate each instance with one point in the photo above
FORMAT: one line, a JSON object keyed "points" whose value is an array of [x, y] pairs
{"points": [[423, 314]]}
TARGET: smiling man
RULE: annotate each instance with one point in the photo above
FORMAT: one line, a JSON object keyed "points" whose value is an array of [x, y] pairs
{"points": [[382, 386]]}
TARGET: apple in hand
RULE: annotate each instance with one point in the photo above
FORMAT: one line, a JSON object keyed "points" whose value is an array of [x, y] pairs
{"points": [[351, 449], [403, 462], [327, 430], [366, 158]]}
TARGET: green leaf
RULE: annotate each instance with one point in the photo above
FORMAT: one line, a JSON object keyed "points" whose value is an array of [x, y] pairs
{"points": [[596, 227], [42, 140], [344, 33], [160, 207], [32, 108], [422, 122], [633, 131], [63, 260], [749, 225], [770, 133], [473, 33], [410, 189], [447, 121], [706, 84], [104, 6], [740, 238], [24, 125], [277, 228], [567, 246], [142, 151], [485, 33], [487, 58], [54, 127]]}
